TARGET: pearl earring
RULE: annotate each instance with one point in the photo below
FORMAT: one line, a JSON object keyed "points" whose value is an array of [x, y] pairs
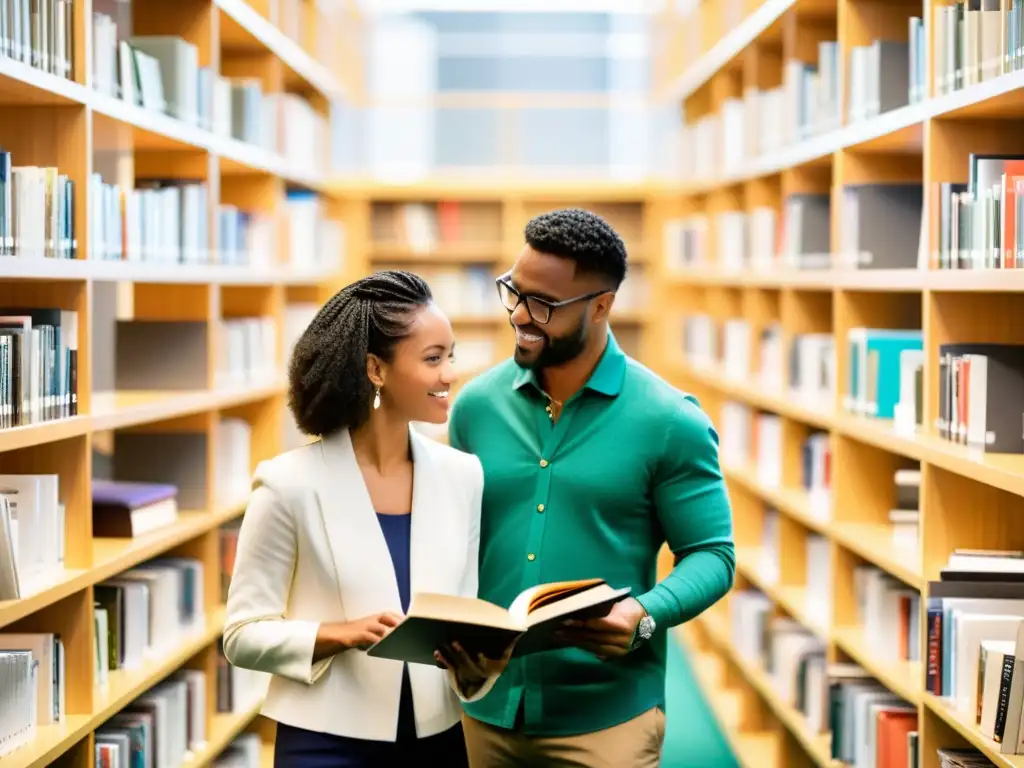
{"points": [[376, 399]]}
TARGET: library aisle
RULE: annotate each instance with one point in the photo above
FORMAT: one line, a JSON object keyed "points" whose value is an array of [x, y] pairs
{"points": [[183, 184], [843, 257]]}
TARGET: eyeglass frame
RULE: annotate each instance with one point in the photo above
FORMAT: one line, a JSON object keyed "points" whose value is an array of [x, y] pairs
{"points": [[503, 280]]}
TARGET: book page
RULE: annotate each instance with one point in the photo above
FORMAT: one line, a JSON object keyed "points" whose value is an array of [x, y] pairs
{"points": [[546, 594], [536, 597], [468, 610], [600, 598]]}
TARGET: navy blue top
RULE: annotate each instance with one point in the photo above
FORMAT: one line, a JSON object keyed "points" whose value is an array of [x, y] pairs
{"points": [[397, 531]]}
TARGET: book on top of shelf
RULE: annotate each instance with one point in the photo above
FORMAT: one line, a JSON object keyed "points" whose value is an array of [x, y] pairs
{"points": [[873, 387], [981, 396], [123, 509], [434, 620], [980, 223]]}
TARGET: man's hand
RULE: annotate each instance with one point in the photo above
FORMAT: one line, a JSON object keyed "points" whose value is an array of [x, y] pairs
{"points": [[471, 669], [606, 637]]}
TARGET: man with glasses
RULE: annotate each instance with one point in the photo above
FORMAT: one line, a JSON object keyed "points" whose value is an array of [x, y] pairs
{"points": [[591, 462]]}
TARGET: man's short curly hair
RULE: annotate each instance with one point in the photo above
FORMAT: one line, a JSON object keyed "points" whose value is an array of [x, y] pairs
{"points": [[328, 389], [582, 236]]}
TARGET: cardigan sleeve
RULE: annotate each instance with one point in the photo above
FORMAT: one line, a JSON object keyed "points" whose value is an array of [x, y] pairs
{"points": [[256, 634]]}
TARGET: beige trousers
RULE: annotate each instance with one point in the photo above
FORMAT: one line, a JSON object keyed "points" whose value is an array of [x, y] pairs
{"points": [[636, 743]]}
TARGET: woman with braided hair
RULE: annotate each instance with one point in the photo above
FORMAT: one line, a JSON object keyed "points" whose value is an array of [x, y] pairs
{"points": [[340, 532]]}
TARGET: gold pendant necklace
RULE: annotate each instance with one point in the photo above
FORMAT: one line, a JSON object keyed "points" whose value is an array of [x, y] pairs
{"points": [[552, 406]]}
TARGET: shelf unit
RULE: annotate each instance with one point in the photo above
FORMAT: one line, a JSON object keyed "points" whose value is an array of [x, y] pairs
{"points": [[967, 498], [461, 235], [70, 124]]}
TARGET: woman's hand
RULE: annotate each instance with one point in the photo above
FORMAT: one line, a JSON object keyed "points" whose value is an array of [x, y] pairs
{"points": [[351, 635], [471, 669]]}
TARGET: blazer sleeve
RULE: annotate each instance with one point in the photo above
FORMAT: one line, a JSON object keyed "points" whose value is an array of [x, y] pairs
{"points": [[473, 479], [257, 635]]}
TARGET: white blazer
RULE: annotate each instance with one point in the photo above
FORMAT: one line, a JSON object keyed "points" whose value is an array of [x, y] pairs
{"points": [[311, 550]]}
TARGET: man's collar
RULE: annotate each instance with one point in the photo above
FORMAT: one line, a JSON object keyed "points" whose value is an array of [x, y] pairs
{"points": [[606, 378]]}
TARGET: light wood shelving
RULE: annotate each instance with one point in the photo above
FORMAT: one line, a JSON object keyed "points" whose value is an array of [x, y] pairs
{"points": [[460, 235], [968, 499], [69, 124]]}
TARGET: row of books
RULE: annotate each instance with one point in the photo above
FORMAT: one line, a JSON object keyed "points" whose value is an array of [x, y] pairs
{"points": [[162, 73], [140, 615], [39, 33], [980, 387], [869, 724], [889, 613], [39, 358], [816, 472], [238, 689], [156, 72], [164, 221], [466, 291], [979, 224], [158, 221], [424, 227], [974, 42], [972, 637], [232, 462], [815, 560], [167, 222], [904, 516], [32, 531], [37, 211], [808, 369], [33, 686], [38, 365], [883, 381], [147, 612], [167, 726], [975, 642], [800, 237], [246, 351], [753, 439], [141, 499], [243, 752], [882, 76]]}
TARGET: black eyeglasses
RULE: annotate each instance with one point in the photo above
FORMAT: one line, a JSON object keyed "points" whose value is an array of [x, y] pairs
{"points": [[539, 309]]}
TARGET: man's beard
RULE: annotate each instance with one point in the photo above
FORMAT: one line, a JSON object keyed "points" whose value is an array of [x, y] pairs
{"points": [[557, 350]]}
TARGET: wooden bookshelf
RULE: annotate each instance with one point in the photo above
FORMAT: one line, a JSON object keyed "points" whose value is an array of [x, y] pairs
{"points": [[720, 56], [70, 123], [460, 235]]}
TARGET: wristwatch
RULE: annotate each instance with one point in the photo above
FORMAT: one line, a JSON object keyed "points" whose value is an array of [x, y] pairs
{"points": [[643, 632]]}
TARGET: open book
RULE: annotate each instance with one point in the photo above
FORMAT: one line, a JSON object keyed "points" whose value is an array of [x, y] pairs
{"points": [[434, 620]]}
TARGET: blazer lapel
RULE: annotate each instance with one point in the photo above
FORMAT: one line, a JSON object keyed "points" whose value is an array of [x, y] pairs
{"points": [[362, 561], [437, 539], [423, 504]]}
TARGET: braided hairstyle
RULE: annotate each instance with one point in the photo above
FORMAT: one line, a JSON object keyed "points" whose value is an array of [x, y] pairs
{"points": [[328, 389]]}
